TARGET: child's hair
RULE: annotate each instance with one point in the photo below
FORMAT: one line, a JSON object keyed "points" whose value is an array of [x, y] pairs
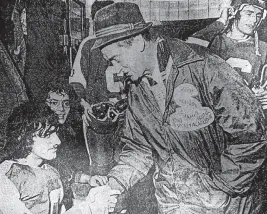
{"points": [[25, 122], [62, 87]]}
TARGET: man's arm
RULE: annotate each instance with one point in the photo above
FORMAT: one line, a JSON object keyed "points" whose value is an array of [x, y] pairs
{"points": [[135, 159], [241, 118]]}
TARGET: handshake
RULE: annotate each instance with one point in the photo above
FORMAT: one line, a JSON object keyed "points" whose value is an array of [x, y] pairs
{"points": [[101, 199]]}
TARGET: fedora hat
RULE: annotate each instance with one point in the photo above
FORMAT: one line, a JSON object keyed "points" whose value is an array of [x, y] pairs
{"points": [[118, 21]]}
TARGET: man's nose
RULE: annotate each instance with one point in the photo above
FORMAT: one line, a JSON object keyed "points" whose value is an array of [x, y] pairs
{"points": [[254, 18]]}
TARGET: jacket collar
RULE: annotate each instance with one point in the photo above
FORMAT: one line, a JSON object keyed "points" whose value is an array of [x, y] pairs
{"points": [[182, 53]]}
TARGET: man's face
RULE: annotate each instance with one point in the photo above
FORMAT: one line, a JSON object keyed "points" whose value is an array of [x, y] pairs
{"points": [[45, 148], [127, 59], [249, 19], [60, 104]]}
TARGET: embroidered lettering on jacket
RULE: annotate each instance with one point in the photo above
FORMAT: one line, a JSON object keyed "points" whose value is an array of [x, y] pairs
{"points": [[190, 115]]}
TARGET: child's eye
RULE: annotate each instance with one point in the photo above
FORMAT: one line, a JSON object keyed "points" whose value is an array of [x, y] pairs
{"points": [[54, 103]]}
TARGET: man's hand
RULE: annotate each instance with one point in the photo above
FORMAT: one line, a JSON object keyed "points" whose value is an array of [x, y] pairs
{"points": [[102, 200], [227, 13], [98, 180]]}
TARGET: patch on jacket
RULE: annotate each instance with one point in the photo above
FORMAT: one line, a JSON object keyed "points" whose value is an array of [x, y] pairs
{"points": [[190, 115]]}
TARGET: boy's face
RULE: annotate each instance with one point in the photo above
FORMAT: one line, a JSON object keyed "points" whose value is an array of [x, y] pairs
{"points": [[60, 104], [45, 148]]}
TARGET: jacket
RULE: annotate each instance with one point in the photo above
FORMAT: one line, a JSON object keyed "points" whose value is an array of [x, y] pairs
{"points": [[212, 124]]}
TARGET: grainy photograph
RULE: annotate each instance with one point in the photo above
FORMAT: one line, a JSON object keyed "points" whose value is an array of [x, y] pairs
{"points": [[133, 107]]}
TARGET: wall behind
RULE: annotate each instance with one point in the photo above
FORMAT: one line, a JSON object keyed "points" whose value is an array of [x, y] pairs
{"points": [[171, 10]]}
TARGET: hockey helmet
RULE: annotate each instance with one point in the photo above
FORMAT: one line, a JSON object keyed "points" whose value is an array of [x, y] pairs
{"points": [[238, 5]]}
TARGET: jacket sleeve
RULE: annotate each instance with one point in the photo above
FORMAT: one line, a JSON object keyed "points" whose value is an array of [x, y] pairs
{"points": [[136, 157], [241, 120], [206, 35]]}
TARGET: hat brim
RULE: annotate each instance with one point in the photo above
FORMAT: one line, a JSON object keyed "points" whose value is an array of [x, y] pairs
{"points": [[105, 40]]}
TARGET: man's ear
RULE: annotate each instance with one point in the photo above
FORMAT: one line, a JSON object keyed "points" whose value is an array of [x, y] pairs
{"points": [[139, 43]]}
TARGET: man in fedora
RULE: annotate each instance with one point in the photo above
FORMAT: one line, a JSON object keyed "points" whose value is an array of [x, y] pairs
{"points": [[189, 115]]}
